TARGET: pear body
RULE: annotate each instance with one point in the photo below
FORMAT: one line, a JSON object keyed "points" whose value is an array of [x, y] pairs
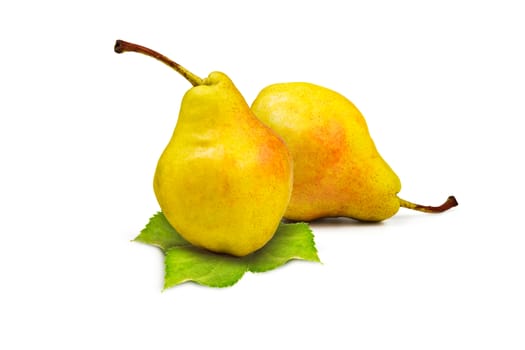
{"points": [[337, 168], [225, 179]]}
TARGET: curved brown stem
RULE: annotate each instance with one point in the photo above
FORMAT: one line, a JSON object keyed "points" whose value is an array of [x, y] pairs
{"points": [[449, 203], [124, 46]]}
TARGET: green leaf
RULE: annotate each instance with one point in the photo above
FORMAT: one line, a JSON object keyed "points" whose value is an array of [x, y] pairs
{"points": [[184, 262], [194, 264], [160, 233], [291, 241]]}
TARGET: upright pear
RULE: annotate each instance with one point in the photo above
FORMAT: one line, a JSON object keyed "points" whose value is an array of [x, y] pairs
{"points": [[337, 168], [225, 179]]}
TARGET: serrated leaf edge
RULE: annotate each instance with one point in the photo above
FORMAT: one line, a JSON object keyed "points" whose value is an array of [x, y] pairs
{"points": [[158, 245], [186, 280], [247, 264], [310, 239]]}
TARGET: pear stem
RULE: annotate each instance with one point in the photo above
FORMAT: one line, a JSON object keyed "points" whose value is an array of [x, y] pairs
{"points": [[449, 203], [124, 46]]}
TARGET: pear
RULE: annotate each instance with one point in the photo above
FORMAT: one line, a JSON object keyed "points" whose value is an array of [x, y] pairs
{"points": [[225, 179], [337, 168]]}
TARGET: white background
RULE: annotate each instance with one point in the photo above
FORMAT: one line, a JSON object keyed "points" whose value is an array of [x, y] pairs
{"points": [[442, 85]]}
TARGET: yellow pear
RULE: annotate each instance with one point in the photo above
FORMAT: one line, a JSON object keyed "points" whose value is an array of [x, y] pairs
{"points": [[337, 168], [225, 179]]}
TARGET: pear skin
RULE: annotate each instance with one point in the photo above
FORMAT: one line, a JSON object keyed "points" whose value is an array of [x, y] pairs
{"points": [[225, 179], [337, 168]]}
